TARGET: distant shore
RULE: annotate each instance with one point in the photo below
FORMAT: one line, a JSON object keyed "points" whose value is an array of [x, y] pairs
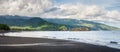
{"points": [[53, 45]]}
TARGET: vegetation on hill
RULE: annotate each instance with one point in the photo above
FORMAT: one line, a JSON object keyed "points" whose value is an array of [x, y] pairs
{"points": [[29, 24], [24, 23], [4, 27], [82, 24]]}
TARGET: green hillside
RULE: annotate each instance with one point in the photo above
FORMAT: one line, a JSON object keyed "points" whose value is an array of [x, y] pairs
{"points": [[29, 23], [37, 23], [83, 23]]}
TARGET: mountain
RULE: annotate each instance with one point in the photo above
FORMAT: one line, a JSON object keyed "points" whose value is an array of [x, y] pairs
{"points": [[51, 24], [82, 23], [29, 23]]}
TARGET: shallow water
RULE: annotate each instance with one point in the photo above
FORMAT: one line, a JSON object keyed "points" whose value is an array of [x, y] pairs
{"points": [[93, 37]]}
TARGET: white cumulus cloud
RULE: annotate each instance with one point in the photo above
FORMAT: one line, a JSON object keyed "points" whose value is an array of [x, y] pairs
{"points": [[46, 9], [23, 7], [82, 11]]}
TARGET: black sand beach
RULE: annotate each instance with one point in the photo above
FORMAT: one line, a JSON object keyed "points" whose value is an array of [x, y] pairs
{"points": [[48, 45]]}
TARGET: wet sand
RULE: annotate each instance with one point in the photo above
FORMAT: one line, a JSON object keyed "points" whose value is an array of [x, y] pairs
{"points": [[48, 45]]}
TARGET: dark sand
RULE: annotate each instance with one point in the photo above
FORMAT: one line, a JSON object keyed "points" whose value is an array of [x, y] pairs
{"points": [[57, 46]]}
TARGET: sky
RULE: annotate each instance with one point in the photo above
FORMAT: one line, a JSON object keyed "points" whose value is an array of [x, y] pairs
{"points": [[103, 11]]}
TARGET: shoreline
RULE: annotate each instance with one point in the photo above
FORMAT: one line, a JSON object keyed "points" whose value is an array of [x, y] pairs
{"points": [[112, 44], [53, 45], [54, 37]]}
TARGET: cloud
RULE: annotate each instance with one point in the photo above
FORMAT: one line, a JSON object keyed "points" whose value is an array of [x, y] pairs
{"points": [[90, 2], [23, 7], [46, 9], [82, 11]]}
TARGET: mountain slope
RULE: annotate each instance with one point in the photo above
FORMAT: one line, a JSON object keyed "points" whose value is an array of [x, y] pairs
{"points": [[29, 23], [82, 23], [36, 23]]}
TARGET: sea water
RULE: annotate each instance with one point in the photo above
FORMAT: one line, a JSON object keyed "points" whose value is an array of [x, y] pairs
{"points": [[103, 38]]}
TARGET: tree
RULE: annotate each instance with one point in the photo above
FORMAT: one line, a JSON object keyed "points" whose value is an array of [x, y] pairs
{"points": [[80, 29], [63, 28], [4, 27]]}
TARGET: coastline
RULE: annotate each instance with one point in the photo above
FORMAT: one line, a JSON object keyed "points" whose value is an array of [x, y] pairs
{"points": [[54, 45]]}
